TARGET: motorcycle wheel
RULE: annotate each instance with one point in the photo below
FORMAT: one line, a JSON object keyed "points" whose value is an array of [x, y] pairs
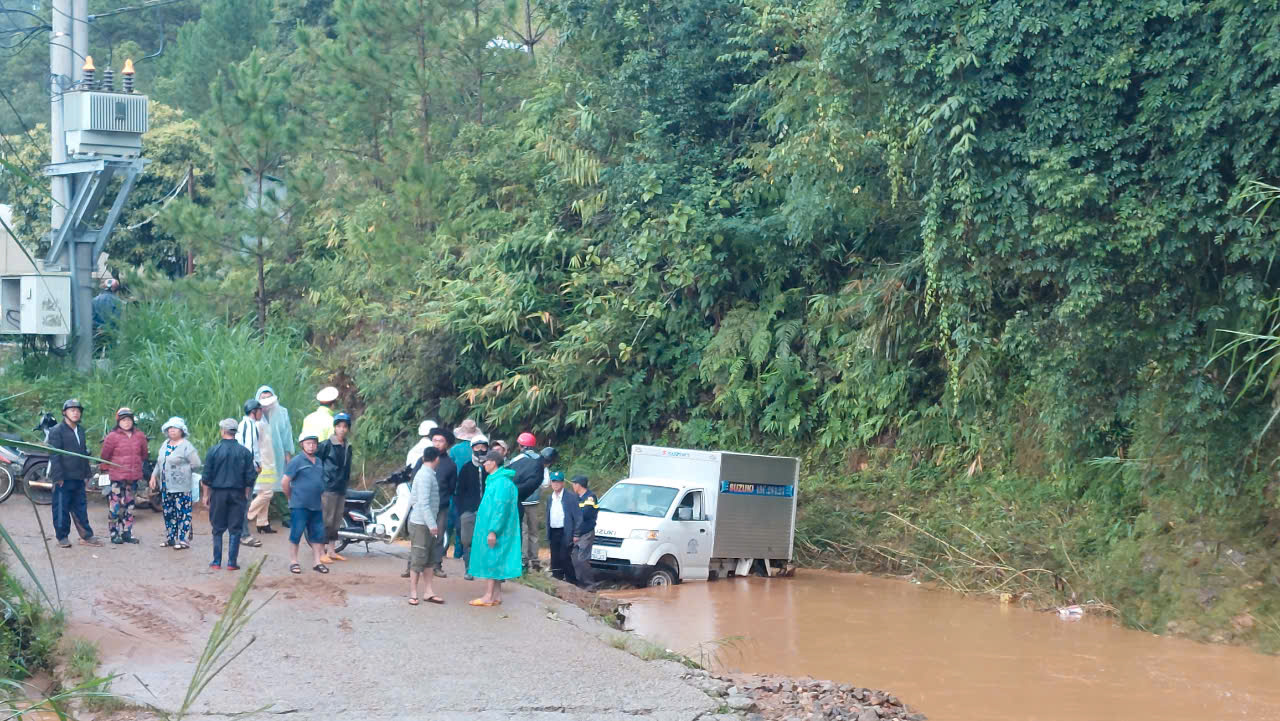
{"points": [[7, 484], [341, 544], [37, 473]]}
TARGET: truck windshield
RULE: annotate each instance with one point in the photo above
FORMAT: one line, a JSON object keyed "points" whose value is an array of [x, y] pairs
{"points": [[638, 499]]}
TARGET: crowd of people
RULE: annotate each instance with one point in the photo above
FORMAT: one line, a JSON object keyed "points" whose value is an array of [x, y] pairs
{"points": [[467, 492]]}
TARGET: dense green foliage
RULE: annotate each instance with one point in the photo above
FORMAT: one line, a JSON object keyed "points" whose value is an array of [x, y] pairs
{"points": [[971, 259]]}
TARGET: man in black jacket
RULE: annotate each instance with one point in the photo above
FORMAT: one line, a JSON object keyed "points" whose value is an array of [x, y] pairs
{"points": [[467, 495], [68, 474], [229, 474], [335, 460], [447, 482], [530, 474], [584, 532]]}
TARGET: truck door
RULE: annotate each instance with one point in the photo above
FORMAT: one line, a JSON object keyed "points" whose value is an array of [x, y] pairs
{"points": [[693, 531]]}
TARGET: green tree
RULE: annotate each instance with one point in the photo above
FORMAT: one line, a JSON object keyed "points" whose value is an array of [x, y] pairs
{"points": [[259, 201], [225, 34]]}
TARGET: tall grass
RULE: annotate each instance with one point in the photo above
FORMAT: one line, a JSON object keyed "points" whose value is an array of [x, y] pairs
{"points": [[165, 359]]}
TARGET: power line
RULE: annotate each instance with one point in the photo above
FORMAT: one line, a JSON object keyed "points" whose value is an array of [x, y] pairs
{"points": [[144, 6], [21, 122]]}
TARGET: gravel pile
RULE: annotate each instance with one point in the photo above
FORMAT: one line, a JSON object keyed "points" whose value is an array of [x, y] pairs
{"points": [[780, 698]]}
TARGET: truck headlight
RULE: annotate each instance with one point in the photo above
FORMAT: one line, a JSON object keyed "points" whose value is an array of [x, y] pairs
{"points": [[644, 535]]}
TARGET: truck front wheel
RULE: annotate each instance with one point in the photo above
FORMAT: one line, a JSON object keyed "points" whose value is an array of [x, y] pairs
{"points": [[661, 576]]}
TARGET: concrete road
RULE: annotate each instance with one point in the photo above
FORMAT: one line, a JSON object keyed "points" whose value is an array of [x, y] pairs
{"points": [[344, 645]]}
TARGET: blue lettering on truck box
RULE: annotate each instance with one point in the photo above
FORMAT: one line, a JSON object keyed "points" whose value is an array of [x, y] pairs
{"points": [[757, 489]]}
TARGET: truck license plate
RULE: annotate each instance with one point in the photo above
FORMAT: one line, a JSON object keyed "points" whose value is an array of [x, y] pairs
{"points": [[597, 553]]}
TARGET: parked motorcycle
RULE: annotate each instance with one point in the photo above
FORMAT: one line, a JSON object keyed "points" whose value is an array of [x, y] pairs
{"points": [[364, 523], [30, 468]]}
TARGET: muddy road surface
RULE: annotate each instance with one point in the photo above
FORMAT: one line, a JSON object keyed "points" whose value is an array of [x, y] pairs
{"points": [[344, 645]]}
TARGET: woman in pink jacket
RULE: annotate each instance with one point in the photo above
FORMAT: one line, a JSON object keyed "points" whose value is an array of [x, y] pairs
{"points": [[126, 448]]}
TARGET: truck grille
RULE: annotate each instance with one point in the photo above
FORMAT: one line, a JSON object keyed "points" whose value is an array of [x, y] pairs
{"points": [[606, 541]]}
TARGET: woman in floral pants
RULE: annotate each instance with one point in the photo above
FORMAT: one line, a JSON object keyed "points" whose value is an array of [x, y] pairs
{"points": [[173, 477], [126, 449]]}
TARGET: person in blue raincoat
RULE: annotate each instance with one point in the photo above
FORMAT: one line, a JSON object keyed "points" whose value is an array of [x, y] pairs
{"points": [[495, 545]]}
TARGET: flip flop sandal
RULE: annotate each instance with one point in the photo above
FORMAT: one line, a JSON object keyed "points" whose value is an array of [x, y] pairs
{"points": [[180, 546], [435, 599], [295, 568], [320, 568], [414, 601], [166, 544], [337, 557], [252, 543], [480, 602]]}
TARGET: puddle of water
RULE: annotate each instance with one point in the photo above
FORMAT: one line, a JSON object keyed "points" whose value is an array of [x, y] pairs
{"points": [[954, 658]]}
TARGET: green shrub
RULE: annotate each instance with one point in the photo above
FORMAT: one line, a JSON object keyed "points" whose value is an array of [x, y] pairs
{"points": [[29, 632]]}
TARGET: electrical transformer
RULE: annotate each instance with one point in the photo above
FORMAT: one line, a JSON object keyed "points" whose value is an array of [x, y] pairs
{"points": [[102, 124]]}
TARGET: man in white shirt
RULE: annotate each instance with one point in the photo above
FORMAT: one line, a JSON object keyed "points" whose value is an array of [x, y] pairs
{"points": [[562, 514], [424, 439]]}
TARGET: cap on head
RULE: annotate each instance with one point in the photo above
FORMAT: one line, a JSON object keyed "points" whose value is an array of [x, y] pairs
{"points": [[580, 481], [342, 418], [527, 439], [557, 476], [328, 394], [72, 403], [424, 428], [494, 456], [227, 425], [125, 412]]}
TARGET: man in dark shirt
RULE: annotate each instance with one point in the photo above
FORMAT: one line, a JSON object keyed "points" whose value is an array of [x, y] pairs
{"points": [[447, 481], [584, 532], [68, 474], [335, 458], [229, 474], [303, 484], [467, 495]]}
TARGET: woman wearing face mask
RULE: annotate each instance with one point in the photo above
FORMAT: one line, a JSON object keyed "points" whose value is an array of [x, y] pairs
{"points": [[172, 477], [467, 497], [126, 449]]}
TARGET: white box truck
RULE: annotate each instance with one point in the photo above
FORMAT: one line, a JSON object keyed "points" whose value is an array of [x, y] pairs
{"points": [[683, 515]]}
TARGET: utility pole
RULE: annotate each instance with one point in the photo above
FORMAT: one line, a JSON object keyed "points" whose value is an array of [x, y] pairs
{"points": [[95, 135]]}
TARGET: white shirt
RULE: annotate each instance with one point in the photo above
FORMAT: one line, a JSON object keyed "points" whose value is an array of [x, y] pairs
{"points": [[557, 510], [415, 453]]}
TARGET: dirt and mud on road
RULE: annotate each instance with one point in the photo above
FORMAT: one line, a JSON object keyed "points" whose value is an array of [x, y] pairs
{"points": [[346, 644]]}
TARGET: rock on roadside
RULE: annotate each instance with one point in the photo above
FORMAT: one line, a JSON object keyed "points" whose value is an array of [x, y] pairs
{"points": [[782, 698]]}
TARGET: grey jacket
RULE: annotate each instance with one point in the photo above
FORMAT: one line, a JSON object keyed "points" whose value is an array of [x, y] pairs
{"points": [[424, 497], [175, 469]]}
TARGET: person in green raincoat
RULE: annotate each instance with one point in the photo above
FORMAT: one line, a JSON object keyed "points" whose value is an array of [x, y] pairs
{"points": [[282, 450], [495, 545]]}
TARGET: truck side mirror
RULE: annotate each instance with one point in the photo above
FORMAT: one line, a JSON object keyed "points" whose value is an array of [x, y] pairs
{"points": [[684, 513]]}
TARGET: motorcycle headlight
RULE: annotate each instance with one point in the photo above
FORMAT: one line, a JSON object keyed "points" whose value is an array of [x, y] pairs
{"points": [[644, 535]]}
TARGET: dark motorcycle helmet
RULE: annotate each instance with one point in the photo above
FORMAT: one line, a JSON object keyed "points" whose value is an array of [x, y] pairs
{"points": [[72, 403], [252, 405], [550, 455]]}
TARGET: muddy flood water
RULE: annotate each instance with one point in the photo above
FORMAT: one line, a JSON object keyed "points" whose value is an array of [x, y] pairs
{"points": [[955, 658]]}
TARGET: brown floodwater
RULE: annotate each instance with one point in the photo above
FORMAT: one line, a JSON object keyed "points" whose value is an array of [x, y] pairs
{"points": [[955, 658]]}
